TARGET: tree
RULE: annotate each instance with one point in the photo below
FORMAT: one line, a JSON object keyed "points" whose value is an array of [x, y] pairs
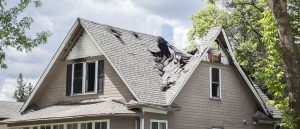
{"points": [[290, 54], [252, 29], [14, 29], [23, 91]]}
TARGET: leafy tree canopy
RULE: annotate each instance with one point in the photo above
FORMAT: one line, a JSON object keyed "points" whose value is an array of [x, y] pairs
{"points": [[252, 31], [14, 29]]}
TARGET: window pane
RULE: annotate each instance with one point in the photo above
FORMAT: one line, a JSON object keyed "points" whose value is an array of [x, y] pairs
{"points": [[215, 90], [103, 125], [55, 126], [215, 74], [61, 126], [75, 126], [48, 126], [154, 125], [97, 125], [43, 127], [83, 125], [162, 125], [34, 127], [77, 78], [89, 125], [90, 80], [69, 126]]}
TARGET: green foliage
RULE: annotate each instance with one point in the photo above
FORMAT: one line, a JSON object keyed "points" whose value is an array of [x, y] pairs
{"points": [[14, 27], [23, 91], [209, 17], [251, 29], [273, 73]]}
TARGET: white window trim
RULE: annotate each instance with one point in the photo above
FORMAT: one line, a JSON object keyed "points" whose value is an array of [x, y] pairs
{"points": [[210, 83], [65, 124], [84, 79], [159, 121]]}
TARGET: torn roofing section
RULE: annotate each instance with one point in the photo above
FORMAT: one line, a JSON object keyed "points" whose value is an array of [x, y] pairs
{"points": [[152, 69]]}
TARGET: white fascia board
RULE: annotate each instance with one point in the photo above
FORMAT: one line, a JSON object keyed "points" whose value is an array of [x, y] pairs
{"points": [[53, 60], [153, 110], [244, 76]]}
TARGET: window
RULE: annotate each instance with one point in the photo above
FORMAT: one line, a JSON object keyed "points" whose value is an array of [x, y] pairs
{"points": [[45, 127], [216, 128], [215, 83], [99, 124], [85, 77], [159, 124]]}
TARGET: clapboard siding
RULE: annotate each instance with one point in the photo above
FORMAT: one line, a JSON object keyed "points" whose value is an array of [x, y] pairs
{"points": [[84, 47], [200, 112], [54, 88]]}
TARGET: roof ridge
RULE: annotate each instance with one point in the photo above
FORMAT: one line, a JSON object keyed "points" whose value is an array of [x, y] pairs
{"points": [[82, 19]]}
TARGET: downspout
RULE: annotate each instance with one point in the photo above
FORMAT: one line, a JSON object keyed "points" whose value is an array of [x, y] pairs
{"points": [[142, 121]]}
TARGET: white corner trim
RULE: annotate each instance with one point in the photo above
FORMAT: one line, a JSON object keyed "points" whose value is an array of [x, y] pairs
{"points": [[152, 110], [114, 67], [53, 60]]}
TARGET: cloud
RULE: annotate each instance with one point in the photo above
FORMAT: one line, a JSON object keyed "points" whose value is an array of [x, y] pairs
{"points": [[9, 86], [137, 15]]}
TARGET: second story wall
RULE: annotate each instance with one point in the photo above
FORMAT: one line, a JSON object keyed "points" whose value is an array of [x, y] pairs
{"points": [[199, 111], [54, 87]]}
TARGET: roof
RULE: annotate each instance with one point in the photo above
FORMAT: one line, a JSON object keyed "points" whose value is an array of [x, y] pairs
{"points": [[74, 110], [152, 69], [9, 109], [274, 112]]}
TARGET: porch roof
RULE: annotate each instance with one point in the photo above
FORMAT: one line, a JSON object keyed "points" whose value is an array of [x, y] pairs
{"points": [[74, 110]]}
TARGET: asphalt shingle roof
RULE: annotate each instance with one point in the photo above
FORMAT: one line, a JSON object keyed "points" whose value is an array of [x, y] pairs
{"points": [[108, 107], [129, 53], [9, 109]]}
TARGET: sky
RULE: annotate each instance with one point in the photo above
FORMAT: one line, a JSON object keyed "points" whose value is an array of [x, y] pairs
{"points": [[168, 18]]}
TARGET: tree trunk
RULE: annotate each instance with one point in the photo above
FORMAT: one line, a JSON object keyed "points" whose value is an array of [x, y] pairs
{"points": [[290, 53]]}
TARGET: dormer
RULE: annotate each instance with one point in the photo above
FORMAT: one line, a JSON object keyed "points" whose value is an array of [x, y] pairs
{"points": [[85, 72]]}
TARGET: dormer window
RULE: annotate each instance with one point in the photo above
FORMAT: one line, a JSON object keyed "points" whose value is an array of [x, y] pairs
{"points": [[85, 77]]}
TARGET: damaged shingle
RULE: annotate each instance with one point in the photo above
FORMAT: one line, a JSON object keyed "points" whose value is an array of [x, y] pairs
{"points": [[169, 61]]}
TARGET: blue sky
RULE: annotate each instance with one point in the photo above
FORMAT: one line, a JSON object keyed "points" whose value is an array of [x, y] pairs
{"points": [[169, 18]]}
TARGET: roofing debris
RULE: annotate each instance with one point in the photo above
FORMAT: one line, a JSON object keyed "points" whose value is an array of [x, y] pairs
{"points": [[170, 62]]}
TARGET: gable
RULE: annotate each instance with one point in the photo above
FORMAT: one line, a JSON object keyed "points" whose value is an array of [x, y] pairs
{"points": [[237, 101], [51, 87], [83, 47]]}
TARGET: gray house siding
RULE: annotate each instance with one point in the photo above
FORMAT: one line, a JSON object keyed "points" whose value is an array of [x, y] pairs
{"points": [[201, 112], [54, 88]]}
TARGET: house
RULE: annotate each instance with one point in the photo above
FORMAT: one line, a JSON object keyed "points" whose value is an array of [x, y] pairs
{"points": [[9, 110], [103, 77]]}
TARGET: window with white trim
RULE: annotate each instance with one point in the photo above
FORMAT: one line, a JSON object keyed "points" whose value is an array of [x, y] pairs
{"points": [[86, 77], [215, 83], [99, 124], [159, 124]]}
